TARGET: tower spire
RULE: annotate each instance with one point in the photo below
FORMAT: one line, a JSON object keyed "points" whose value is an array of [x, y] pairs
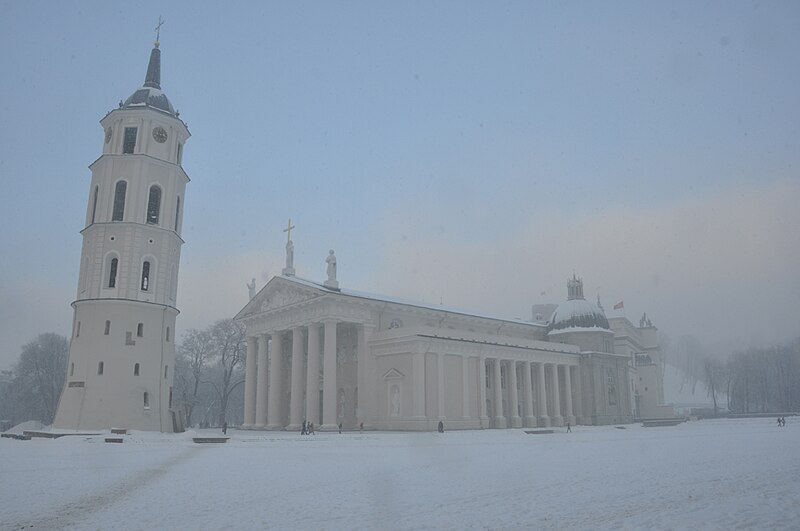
{"points": [[153, 77]]}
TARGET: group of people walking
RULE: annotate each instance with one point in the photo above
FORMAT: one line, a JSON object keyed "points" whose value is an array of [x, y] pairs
{"points": [[781, 421], [307, 428]]}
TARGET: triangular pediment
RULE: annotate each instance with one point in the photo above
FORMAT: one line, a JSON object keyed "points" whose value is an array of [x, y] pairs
{"points": [[393, 374], [278, 293]]}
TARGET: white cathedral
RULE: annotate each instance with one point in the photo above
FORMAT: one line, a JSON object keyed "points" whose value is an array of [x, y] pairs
{"points": [[317, 352], [333, 356]]}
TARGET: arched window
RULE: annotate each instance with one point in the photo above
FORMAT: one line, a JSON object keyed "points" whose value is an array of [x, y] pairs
{"points": [[100, 368], [140, 330], [146, 400], [177, 213], [94, 202], [129, 141], [153, 205], [136, 369], [108, 326], [145, 276], [112, 273], [119, 201]]}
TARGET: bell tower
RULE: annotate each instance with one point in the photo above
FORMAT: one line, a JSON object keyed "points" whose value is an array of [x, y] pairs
{"points": [[122, 352]]}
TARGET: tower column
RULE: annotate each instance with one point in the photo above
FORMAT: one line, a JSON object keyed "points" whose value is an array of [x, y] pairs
{"points": [[298, 375], [530, 419], [274, 421], [312, 375], [543, 420], [513, 395], [250, 383], [261, 386], [329, 377]]}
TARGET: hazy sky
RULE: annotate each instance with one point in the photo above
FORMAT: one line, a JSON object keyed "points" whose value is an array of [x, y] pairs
{"points": [[474, 154]]}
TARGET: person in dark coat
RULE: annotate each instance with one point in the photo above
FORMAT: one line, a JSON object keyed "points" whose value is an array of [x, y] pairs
{"points": [[303, 428], [340, 427], [224, 428], [441, 427]]}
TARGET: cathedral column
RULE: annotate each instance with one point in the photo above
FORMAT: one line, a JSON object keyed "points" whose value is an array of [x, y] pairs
{"points": [[418, 386], [261, 385], [543, 420], [274, 421], [483, 415], [367, 407], [568, 395], [440, 385], [298, 374], [530, 419], [329, 377], [465, 387], [578, 396], [558, 420], [513, 395], [499, 419], [250, 383], [312, 375]]}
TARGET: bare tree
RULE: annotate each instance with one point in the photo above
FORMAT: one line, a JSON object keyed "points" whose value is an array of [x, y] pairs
{"points": [[228, 344], [194, 352], [713, 378], [31, 390]]}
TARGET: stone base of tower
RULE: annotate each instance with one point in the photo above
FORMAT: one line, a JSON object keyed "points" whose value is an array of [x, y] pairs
{"points": [[120, 368]]}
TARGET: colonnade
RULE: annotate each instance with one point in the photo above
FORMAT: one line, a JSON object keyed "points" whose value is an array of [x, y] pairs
{"points": [[264, 400], [539, 390]]}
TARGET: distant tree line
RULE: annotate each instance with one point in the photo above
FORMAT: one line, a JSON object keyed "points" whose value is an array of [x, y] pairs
{"points": [[764, 379], [209, 375], [757, 380], [32, 388]]}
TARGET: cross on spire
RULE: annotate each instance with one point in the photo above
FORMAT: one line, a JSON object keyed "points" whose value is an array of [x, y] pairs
{"points": [[158, 30], [288, 230]]}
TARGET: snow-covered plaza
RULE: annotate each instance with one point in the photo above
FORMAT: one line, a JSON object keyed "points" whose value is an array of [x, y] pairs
{"points": [[714, 474]]}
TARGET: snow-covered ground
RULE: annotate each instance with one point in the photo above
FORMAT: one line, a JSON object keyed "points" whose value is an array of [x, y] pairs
{"points": [[715, 474]]}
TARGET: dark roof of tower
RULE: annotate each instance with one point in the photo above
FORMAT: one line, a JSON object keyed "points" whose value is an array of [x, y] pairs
{"points": [[150, 94]]}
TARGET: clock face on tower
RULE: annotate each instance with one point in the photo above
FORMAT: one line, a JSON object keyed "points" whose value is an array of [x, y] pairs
{"points": [[108, 135], [160, 135]]}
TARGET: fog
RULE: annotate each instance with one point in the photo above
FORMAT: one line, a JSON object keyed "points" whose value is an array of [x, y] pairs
{"points": [[474, 157]]}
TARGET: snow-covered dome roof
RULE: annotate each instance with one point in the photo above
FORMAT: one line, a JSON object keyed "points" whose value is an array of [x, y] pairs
{"points": [[576, 311], [150, 94]]}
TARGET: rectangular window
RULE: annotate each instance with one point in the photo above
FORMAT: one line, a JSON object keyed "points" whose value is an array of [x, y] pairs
{"points": [[129, 142], [108, 328], [140, 330], [129, 339], [165, 371], [180, 154], [100, 368], [167, 334], [78, 329]]}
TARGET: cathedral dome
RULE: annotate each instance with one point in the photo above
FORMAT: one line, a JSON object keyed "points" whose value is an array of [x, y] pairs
{"points": [[150, 94], [576, 311]]}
